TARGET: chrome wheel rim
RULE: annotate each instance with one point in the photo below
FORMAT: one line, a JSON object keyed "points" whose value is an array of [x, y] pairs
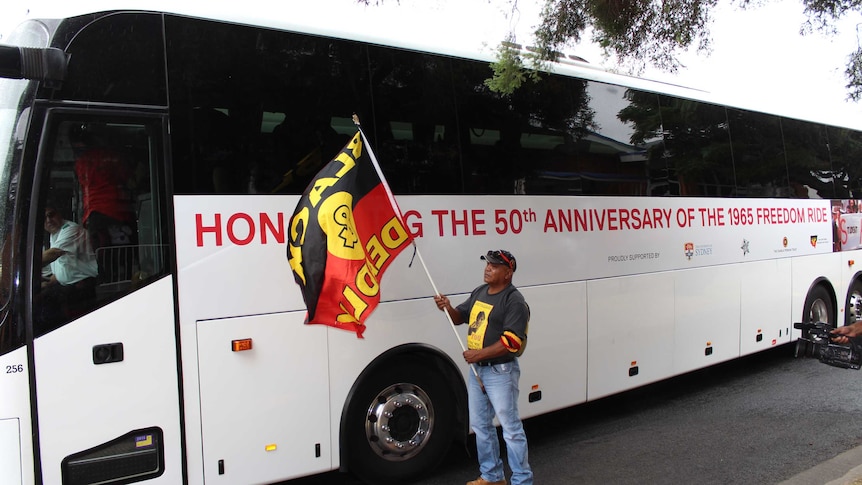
{"points": [[399, 421]]}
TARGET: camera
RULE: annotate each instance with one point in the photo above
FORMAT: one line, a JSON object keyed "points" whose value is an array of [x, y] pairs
{"points": [[816, 342]]}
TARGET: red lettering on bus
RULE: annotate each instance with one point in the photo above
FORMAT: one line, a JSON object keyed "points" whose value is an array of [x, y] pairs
{"points": [[267, 224], [200, 229], [231, 234], [242, 229]]}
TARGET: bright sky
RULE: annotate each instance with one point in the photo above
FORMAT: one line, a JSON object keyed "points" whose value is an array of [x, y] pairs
{"points": [[759, 59]]}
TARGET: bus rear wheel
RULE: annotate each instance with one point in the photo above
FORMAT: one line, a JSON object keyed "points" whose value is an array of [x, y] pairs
{"points": [[400, 422], [854, 303]]}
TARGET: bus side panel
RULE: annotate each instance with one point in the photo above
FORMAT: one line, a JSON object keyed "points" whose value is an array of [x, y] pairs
{"points": [[264, 410], [631, 328], [706, 312], [555, 360], [83, 405], [16, 444], [766, 319]]}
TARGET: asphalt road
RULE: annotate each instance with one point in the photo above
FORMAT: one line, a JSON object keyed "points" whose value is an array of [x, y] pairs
{"points": [[759, 420]]}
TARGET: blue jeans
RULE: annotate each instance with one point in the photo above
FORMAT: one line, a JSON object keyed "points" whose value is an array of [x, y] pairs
{"points": [[501, 386]]}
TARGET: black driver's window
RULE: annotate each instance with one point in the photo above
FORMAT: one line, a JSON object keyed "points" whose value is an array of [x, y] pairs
{"points": [[102, 215]]}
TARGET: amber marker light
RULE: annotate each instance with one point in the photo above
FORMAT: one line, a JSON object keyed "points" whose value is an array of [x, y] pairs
{"points": [[850, 262], [240, 345], [271, 447]]}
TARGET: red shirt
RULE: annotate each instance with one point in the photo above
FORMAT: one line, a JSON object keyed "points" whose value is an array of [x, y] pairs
{"points": [[104, 180]]}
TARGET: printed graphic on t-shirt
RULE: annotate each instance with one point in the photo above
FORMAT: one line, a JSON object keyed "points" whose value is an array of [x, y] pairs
{"points": [[479, 315]]}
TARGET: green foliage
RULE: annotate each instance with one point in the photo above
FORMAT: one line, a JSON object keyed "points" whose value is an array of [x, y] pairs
{"points": [[854, 75], [638, 33], [509, 71], [821, 13]]}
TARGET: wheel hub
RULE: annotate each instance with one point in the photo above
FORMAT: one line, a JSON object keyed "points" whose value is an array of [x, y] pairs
{"points": [[399, 422], [819, 312], [854, 308]]}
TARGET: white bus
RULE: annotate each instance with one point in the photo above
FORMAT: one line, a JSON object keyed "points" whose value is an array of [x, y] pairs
{"points": [[656, 233]]}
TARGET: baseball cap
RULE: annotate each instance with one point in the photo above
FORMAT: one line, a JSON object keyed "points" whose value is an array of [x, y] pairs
{"points": [[501, 256]]}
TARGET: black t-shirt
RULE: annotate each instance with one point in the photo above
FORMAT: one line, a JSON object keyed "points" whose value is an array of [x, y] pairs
{"points": [[491, 315]]}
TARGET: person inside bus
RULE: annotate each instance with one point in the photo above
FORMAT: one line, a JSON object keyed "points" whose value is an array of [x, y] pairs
{"points": [[493, 350], [69, 270], [107, 182]]}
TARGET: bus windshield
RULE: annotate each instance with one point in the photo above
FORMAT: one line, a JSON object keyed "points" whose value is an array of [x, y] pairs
{"points": [[15, 95], [11, 143]]}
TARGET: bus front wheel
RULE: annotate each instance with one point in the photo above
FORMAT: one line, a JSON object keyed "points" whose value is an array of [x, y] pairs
{"points": [[818, 309], [400, 422]]}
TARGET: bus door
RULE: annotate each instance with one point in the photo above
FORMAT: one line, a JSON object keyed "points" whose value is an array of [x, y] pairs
{"points": [[103, 311]]}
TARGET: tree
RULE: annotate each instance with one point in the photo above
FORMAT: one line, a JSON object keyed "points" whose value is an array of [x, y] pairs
{"points": [[647, 32], [639, 33]]}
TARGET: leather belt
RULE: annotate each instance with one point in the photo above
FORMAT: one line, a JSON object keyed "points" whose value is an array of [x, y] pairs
{"points": [[488, 363]]}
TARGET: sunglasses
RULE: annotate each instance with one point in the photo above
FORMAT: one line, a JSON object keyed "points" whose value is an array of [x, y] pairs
{"points": [[501, 255]]}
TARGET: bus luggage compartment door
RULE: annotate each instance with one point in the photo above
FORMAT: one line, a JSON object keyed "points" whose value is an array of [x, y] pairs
{"points": [[264, 384]]}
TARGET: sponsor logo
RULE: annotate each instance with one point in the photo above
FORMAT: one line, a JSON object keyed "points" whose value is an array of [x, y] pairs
{"points": [[744, 247], [813, 241], [785, 246], [692, 250]]}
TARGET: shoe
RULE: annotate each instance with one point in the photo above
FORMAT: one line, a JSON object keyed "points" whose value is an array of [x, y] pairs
{"points": [[482, 481]]}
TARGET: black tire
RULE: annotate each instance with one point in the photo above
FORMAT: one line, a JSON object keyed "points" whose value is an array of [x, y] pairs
{"points": [[421, 419], [819, 306], [853, 308]]}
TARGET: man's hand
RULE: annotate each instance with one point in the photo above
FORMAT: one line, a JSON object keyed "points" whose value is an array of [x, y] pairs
{"points": [[842, 335], [472, 356], [493, 351], [442, 302], [50, 255]]}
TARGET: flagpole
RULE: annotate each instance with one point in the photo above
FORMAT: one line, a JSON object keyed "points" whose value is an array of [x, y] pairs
{"points": [[415, 247]]}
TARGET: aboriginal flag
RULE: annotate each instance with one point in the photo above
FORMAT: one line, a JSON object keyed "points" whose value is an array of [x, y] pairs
{"points": [[344, 233]]}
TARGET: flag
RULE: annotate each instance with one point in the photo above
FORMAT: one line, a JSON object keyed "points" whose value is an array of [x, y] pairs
{"points": [[344, 233]]}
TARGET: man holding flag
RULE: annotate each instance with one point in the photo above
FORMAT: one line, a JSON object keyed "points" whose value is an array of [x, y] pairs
{"points": [[344, 233], [501, 317]]}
